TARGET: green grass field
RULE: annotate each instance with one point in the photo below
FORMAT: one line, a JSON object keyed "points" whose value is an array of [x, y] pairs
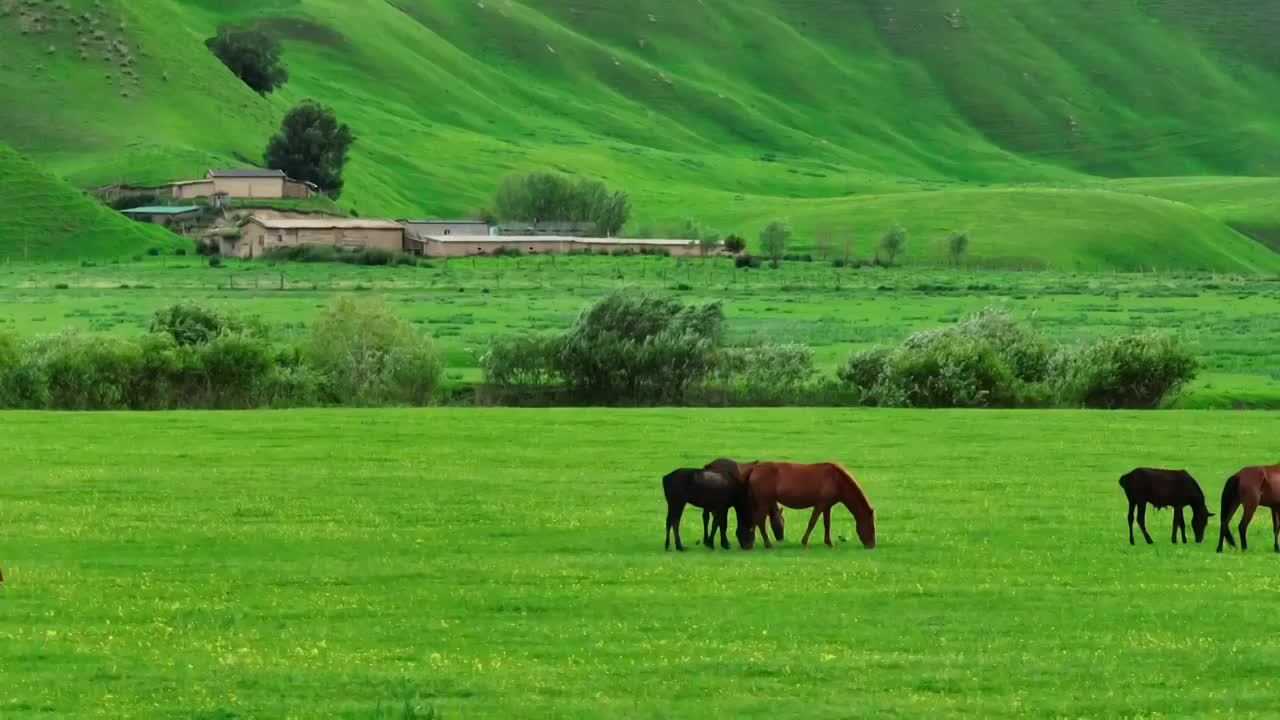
{"points": [[1039, 128], [1230, 320], [509, 563]]}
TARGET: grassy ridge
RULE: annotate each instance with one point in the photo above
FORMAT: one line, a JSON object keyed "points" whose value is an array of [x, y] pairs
{"points": [[42, 217], [721, 111], [512, 566]]}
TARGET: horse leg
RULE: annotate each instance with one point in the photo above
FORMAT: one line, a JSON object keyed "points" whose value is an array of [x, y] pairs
{"points": [[1275, 528], [761, 519], [1250, 507], [1142, 523], [707, 537], [826, 527], [813, 520], [1132, 507], [724, 523], [1177, 522], [673, 522]]}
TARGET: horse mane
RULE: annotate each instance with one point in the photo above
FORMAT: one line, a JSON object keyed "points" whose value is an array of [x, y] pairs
{"points": [[857, 489]]}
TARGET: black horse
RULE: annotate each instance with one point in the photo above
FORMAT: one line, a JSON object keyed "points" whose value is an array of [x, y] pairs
{"points": [[715, 493], [1165, 488]]}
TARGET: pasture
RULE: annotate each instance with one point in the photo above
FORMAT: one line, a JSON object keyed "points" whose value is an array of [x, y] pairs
{"points": [[1233, 321], [509, 564]]}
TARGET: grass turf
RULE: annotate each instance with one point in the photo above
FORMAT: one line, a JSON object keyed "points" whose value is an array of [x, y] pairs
{"points": [[504, 563]]}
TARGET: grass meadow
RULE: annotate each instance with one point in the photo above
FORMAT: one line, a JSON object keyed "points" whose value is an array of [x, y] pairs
{"points": [[507, 563], [1233, 321]]}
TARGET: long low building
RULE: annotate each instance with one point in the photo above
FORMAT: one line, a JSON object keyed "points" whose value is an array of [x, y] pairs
{"points": [[259, 235], [463, 246]]}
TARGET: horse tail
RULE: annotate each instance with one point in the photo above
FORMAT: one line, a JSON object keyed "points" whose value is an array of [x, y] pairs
{"points": [[1230, 498]]}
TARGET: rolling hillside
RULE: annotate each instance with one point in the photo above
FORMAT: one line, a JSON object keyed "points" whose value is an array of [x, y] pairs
{"points": [[42, 217], [845, 112]]}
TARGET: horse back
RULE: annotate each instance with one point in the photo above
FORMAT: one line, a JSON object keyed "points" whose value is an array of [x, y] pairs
{"points": [[1161, 487]]}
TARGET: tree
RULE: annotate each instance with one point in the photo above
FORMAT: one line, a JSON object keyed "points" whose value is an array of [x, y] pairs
{"points": [[612, 214], [735, 244], [551, 197], [958, 245], [846, 247], [773, 241], [252, 55], [709, 242], [892, 243], [822, 243], [312, 145]]}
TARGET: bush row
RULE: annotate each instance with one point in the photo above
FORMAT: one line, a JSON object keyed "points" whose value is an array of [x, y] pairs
{"points": [[358, 353], [636, 349]]}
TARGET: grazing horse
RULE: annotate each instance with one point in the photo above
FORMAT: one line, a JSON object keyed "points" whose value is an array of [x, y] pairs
{"points": [[1165, 488], [1251, 487], [738, 471], [713, 492], [810, 486]]}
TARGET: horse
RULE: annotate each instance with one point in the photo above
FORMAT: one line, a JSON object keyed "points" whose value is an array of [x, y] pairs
{"points": [[1165, 488], [713, 492], [738, 471], [810, 486], [1251, 487]]}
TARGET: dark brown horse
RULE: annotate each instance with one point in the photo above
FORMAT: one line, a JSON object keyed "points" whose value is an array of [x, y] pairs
{"points": [[1249, 488], [1165, 488], [715, 493], [810, 486], [738, 471]]}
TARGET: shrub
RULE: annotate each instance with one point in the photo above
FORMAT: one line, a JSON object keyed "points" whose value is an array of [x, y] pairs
{"points": [[522, 361], [193, 324], [944, 369], [11, 360], [863, 370], [1135, 371], [153, 252], [766, 374], [215, 261], [368, 356], [639, 348], [735, 244], [251, 55], [746, 261], [508, 252], [180, 252], [892, 243], [235, 371], [957, 246], [82, 372]]}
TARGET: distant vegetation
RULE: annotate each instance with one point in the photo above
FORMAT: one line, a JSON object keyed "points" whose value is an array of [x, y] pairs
{"points": [[252, 55], [312, 146], [545, 197]]}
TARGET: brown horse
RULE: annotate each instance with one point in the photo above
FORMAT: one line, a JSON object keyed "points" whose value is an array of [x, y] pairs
{"points": [[810, 486], [1251, 487], [738, 471]]}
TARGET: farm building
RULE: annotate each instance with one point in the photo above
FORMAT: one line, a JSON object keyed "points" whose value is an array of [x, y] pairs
{"points": [[461, 246], [469, 228], [163, 214], [244, 183], [259, 235]]}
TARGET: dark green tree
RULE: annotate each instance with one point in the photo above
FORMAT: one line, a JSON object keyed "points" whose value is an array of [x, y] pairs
{"points": [[312, 145], [253, 55]]}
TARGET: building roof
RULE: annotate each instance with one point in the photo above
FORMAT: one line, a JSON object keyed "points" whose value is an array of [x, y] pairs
{"points": [[245, 173], [555, 240], [161, 210], [324, 223], [446, 222]]}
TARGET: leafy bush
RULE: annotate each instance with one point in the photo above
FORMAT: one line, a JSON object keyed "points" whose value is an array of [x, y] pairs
{"points": [[946, 369], [180, 252], [551, 197], [863, 370], [10, 365], [522, 361], [639, 348], [746, 261], [735, 244], [251, 55], [766, 374], [368, 356], [1135, 371], [215, 261], [892, 243], [74, 371], [153, 252], [235, 371], [193, 324], [957, 246]]}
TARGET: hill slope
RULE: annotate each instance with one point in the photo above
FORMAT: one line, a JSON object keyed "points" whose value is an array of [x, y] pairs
{"points": [[698, 107], [44, 218]]}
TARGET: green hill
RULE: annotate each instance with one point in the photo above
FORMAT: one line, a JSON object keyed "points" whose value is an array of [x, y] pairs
{"points": [[821, 111], [44, 218]]}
